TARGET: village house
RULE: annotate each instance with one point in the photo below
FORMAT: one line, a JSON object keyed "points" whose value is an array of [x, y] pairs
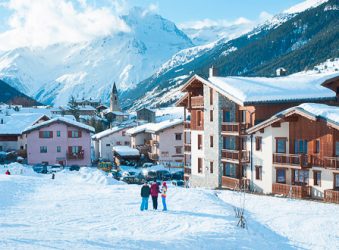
{"points": [[88, 102], [219, 110], [86, 110], [296, 153], [105, 140], [146, 114], [59, 141], [12, 126], [162, 142]]}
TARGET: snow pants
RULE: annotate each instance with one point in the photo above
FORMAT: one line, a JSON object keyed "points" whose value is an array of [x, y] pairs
{"points": [[144, 204]]}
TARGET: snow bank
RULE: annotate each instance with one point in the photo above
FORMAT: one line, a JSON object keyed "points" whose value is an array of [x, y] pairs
{"points": [[95, 176], [18, 169]]}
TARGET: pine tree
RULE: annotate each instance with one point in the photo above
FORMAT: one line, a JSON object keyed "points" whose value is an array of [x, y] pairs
{"points": [[73, 108]]}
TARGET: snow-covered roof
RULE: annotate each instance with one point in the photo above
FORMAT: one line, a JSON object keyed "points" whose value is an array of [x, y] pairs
{"points": [[296, 87], [15, 124], [62, 120], [108, 132], [154, 127], [149, 109], [80, 107], [315, 111], [126, 151]]}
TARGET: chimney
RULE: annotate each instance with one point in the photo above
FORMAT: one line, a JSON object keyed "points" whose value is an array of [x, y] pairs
{"points": [[213, 71]]}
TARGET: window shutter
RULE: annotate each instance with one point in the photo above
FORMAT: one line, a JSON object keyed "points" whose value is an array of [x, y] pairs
{"points": [[41, 134], [69, 134], [51, 134], [70, 149], [80, 148], [80, 133]]}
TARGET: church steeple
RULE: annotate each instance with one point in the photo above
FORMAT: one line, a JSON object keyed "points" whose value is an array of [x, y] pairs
{"points": [[114, 102]]}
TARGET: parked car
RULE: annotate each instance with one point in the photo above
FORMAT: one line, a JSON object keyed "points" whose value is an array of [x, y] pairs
{"points": [[147, 165], [178, 175], [163, 175], [39, 168], [74, 168], [178, 183], [150, 175], [116, 175], [132, 179], [55, 168]]}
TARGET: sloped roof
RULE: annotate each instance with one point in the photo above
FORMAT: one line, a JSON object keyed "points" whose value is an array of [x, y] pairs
{"points": [[108, 132], [313, 111], [62, 120], [16, 123], [154, 127]]}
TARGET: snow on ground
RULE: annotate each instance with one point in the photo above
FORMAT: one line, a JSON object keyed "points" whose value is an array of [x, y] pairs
{"points": [[76, 211], [307, 224]]}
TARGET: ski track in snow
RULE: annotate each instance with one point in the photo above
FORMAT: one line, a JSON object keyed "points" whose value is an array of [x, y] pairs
{"points": [[73, 211]]}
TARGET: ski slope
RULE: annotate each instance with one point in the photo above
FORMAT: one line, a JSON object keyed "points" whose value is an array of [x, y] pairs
{"points": [[87, 210]]}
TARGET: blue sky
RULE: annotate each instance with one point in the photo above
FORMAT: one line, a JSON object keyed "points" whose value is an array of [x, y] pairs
{"points": [[43, 22]]}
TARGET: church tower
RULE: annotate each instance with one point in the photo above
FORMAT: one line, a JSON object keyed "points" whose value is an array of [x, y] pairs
{"points": [[114, 104]]}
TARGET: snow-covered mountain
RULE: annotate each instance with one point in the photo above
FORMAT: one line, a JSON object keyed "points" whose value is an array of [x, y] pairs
{"points": [[89, 69]]}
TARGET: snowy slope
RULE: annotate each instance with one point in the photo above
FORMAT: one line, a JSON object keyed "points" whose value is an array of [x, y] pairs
{"points": [[89, 69]]}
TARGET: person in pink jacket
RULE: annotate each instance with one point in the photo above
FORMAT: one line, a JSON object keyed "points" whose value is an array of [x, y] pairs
{"points": [[154, 193]]}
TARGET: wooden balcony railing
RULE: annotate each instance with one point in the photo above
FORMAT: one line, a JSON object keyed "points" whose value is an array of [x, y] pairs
{"points": [[299, 160], [76, 156], [234, 127], [293, 191], [187, 148], [197, 101], [331, 162], [235, 155], [331, 195], [144, 149], [153, 156], [235, 183]]}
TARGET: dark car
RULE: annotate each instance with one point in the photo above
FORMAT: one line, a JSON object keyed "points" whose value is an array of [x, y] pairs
{"points": [[151, 175], [178, 183], [116, 175], [40, 168], [178, 175], [163, 175], [131, 179], [74, 168]]}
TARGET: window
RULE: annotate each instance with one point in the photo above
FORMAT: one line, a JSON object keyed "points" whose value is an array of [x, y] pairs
{"points": [[1, 148], [199, 118], [258, 172], [43, 149], [300, 177], [211, 141], [230, 169], [178, 136], [74, 150], [118, 142], [317, 147], [300, 146], [226, 116], [211, 115], [199, 141], [258, 142], [74, 134], [199, 165], [108, 145], [211, 96], [58, 149], [243, 116], [211, 167], [21, 147], [281, 145], [229, 142], [336, 181], [178, 150], [337, 148], [281, 175], [123, 133], [45, 134], [58, 133], [317, 178], [126, 143]]}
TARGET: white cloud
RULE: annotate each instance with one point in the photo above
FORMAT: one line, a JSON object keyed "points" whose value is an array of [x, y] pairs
{"points": [[151, 8], [44, 22], [206, 23]]}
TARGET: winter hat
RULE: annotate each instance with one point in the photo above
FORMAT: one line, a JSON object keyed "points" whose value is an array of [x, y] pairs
{"points": [[164, 184]]}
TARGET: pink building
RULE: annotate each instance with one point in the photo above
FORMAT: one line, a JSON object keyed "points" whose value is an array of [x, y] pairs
{"points": [[59, 141]]}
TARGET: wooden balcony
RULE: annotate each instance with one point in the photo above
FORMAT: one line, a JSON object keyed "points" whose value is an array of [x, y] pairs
{"points": [[296, 160], [234, 128], [76, 156], [187, 148], [293, 191], [144, 149], [235, 183], [331, 162], [187, 170], [187, 125], [331, 195], [153, 156], [197, 101], [235, 155], [153, 143]]}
